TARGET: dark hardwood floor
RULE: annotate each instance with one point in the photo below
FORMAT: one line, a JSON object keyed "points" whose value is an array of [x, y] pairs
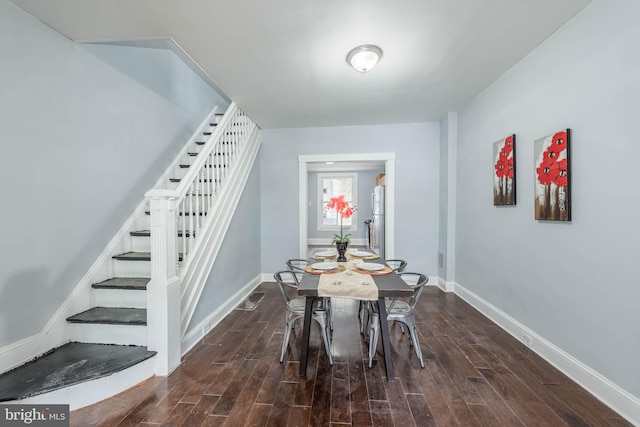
{"points": [[475, 375]]}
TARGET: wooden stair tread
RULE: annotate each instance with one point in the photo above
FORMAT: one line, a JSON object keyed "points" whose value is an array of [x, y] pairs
{"points": [[147, 233], [182, 214], [128, 283], [137, 256], [111, 316], [70, 364]]}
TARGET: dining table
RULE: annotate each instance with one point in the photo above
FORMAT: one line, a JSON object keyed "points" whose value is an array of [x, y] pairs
{"points": [[388, 285]]}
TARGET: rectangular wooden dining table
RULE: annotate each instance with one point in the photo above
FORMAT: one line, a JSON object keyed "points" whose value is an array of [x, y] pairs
{"points": [[389, 286]]}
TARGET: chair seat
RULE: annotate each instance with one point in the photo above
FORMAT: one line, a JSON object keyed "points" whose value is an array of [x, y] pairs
{"points": [[297, 304], [400, 308]]}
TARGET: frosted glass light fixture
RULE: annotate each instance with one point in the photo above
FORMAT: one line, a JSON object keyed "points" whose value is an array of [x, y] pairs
{"points": [[364, 58]]}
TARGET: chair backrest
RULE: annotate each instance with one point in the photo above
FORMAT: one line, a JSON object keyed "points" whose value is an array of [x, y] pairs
{"points": [[415, 281], [397, 265], [297, 265], [287, 281]]}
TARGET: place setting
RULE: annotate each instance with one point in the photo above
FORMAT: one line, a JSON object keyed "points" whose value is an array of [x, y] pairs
{"points": [[325, 267], [325, 254], [372, 268], [361, 254]]}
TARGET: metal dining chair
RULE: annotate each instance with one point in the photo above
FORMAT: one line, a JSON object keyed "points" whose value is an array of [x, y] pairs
{"points": [[399, 311], [295, 310], [298, 265], [397, 266]]}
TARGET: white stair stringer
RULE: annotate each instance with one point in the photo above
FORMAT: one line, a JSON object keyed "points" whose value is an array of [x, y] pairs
{"points": [[195, 271]]}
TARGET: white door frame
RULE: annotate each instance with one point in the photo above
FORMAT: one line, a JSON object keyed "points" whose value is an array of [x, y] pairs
{"points": [[389, 166]]}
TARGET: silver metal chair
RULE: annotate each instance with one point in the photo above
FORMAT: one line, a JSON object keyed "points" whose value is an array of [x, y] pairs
{"points": [[298, 265], [397, 266], [399, 311], [295, 310]]}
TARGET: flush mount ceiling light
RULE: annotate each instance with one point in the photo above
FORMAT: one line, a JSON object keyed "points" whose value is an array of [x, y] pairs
{"points": [[364, 58]]}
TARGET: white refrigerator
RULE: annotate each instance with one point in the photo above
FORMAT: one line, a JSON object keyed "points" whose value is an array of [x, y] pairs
{"points": [[377, 229]]}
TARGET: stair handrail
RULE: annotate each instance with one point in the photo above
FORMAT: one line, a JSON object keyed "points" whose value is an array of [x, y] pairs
{"points": [[195, 193], [204, 126], [191, 204]]}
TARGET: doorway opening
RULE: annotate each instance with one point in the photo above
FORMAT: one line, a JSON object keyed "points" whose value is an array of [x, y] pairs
{"points": [[310, 164]]}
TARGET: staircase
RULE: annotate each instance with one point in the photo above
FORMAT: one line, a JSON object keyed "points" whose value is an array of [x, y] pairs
{"points": [[145, 287]]}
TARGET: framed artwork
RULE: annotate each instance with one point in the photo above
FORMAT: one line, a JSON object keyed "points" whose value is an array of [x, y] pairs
{"points": [[552, 190], [504, 174]]}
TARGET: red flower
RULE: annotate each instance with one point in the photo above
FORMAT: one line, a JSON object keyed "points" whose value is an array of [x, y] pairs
{"points": [[508, 145], [341, 206], [501, 166], [344, 211], [510, 168], [562, 177], [550, 156], [547, 172], [558, 142]]}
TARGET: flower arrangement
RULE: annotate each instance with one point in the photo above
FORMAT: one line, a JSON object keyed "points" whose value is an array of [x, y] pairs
{"points": [[344, 210]]}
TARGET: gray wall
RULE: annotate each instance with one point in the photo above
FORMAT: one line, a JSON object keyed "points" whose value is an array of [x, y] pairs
{"points": [[575, 284], [85, 131], [238, 261], [417, 154], [366, 184]]}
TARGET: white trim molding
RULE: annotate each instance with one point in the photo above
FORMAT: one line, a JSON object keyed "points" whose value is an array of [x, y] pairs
{"points": [[609, 393], [389, 160]]}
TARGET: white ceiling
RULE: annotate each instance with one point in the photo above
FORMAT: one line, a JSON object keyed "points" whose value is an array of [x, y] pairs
{"points": [[283, 61]]}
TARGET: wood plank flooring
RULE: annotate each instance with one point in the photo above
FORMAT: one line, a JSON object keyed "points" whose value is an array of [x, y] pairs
{"points": [[475, 375]]}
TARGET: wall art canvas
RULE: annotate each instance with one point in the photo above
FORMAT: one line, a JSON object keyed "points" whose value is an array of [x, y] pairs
{"points": [[553, 176], [504, 174]]}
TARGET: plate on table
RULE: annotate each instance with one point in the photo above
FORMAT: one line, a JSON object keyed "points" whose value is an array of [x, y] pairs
{"points": [[326, 254], [361, 254], [324, 265], [370, 266]]}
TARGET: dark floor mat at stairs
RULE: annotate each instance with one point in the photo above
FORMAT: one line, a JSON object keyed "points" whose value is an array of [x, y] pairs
{"points": [[251, 302], [67, 365]]}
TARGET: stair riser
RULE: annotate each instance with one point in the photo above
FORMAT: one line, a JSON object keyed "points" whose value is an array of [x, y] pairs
{"points": [[143, 244], [140, 244], [108, 334], [120, 298], [132, 268]]}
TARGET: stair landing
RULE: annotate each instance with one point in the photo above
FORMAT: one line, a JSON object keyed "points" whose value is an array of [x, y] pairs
{"points": [[70, 364]]}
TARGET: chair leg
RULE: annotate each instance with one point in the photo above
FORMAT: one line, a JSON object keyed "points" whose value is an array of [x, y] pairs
{"points": [[329, 312], [413, 332], [374, 329], [285, 340], [325, 331]]}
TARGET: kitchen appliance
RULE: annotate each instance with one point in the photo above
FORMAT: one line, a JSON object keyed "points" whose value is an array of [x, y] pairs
{"points": [[376, 229]]}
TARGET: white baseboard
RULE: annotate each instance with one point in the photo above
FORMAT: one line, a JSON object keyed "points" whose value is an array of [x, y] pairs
{"points": [[193, 336], [621, 401]]}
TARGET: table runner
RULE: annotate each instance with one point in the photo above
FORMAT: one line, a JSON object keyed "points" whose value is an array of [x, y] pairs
{"points": [[348, 284]]}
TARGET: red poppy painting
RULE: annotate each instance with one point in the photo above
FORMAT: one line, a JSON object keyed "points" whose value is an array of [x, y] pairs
{"points": [[504, 173], [552, 177]]}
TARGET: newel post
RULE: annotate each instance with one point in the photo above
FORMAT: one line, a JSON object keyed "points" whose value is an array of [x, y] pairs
{"points": [[163, 291]]}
